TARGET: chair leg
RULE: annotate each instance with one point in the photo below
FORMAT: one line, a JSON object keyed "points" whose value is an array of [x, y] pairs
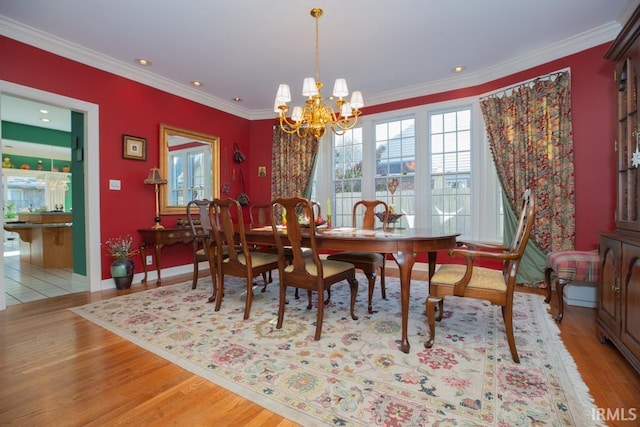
{"points": [[328, 296], [319, 318], [383, 288], [249, 300], [195, 274], [431, 317], [560, 284], [353, 284], [214, 276], [507, 316], [282, 301], [264, 280], [371, 277], [310, 304], [547, 282], [219, 292]]}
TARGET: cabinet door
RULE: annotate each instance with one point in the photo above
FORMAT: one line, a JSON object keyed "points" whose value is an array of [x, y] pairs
{"points": [[608, 294], [630, 299], [627, 215]]}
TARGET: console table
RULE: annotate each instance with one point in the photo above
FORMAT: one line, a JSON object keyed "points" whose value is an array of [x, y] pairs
{"points": [[159, 238]]}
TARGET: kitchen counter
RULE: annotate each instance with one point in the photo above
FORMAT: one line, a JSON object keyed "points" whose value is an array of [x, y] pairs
{"points": [[45, 238]]}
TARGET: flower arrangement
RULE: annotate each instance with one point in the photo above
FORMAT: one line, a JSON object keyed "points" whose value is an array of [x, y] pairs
{"points": [[120, 247]]}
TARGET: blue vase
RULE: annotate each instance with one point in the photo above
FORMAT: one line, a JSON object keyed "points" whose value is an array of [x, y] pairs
{"points": [[122, 272]]}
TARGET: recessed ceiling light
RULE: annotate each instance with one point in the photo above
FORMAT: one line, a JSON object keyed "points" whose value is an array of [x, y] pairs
{"points": [[44, 119], [143, 61], [237, 99], [196, 83], [43, 111], [458, 69]]}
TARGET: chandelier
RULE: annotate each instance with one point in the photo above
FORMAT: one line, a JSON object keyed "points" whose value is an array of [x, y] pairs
{"points": [[315, 116]]}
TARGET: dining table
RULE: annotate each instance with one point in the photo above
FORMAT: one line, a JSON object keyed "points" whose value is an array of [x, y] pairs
{"points": [[403, 244]]}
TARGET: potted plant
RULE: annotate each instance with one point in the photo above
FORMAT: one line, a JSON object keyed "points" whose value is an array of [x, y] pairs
{"points": [[122, 268]]}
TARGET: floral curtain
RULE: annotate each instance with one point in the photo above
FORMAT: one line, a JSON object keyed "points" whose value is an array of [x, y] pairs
{"points": [[292, 161], [531, 141]]}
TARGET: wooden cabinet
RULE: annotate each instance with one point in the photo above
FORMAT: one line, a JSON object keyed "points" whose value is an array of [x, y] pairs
{"points": [[619, 295], [618, 314], [608, 293]]}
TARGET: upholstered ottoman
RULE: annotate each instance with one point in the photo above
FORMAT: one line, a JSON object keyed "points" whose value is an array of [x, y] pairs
{"points": [[569, 266]]}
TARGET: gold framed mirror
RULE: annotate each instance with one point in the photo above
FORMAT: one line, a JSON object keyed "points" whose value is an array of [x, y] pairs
{"points": [[190, 162]]}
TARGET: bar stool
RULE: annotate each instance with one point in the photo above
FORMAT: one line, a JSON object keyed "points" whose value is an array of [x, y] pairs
{"points": [[569, 266]]}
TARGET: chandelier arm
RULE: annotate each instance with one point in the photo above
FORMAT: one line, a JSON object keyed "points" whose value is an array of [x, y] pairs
{"points": [[345, 124]]}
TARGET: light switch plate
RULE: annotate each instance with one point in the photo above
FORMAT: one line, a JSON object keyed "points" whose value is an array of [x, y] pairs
{"points": [[114, 184]]}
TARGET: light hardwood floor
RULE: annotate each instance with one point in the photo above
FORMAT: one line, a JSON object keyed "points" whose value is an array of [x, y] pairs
{"points": [[59, 369]]}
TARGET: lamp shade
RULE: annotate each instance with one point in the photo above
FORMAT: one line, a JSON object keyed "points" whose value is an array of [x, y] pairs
{"points": [[345, 110], [296, 114], [309, 87], [356, 100], [340, 88], [284, 94], [155, 177]]}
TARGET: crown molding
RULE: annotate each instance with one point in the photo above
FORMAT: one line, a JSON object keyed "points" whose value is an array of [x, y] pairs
{"points": [[73, 51], [59, 46], [575, 44]]}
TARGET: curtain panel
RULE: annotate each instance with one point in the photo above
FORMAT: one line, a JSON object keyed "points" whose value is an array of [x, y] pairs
{"points": [[292, 161], [531, 141]]}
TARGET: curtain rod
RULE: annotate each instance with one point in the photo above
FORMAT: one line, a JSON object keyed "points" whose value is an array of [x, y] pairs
{"points": [[527, 82]]}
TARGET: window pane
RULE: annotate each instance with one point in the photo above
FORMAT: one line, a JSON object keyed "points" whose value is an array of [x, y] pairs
{"points": [[347, 175], [451, 172], [395, 167]]}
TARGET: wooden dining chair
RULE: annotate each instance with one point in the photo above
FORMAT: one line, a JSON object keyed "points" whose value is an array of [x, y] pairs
{"points": [[260, 216], [232, 254], [310, 273], [468, 280], [364, 216], [198, 219]]}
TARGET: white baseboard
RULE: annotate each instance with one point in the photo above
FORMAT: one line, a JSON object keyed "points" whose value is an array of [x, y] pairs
{"points": [[581, 294]]}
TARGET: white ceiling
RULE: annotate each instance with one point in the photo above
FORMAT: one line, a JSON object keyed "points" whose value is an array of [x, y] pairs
{"points": [[389, 50]]}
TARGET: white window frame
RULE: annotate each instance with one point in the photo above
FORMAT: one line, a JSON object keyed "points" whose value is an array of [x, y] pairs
{"points": [[486, 224]]}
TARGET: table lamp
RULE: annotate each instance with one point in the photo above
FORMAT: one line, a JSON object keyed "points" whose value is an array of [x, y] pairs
{"points": [[156, 179]]}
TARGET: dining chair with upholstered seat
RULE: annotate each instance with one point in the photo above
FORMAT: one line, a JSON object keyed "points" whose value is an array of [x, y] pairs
{"points": [[238, 260], [468, 280], [198, 219], [303, 272], [364, 216], [260, 216]]}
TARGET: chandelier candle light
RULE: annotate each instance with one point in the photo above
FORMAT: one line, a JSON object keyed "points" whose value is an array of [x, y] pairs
{"points": [[156, 179], [315, 116]]}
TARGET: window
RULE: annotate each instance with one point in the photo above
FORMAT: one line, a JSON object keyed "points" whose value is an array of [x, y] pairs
{"points": [[347, 175], [450, 142], [430, 163], [395, 143]]}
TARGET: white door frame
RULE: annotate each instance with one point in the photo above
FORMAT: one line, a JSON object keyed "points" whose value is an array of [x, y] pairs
{"points": [[91, 184]]}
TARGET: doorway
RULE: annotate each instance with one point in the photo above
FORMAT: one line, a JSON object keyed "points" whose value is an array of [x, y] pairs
{"points": [[90, 246]]}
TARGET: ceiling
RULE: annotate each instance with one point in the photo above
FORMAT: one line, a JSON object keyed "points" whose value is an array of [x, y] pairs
{"points": [[389, 50]]}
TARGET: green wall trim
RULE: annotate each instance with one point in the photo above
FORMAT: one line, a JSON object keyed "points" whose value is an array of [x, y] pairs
{"points": [[38, 135]]}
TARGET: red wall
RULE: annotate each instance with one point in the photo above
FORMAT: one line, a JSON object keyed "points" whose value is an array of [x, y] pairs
{"points": [[127, 107]]}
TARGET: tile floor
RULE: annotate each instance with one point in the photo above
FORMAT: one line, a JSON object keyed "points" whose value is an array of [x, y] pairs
{"points": [[25, 282]]}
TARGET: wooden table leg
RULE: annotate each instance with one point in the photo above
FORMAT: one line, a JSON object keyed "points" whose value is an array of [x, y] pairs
{"points": [[158, 252], [143, 254], [405, 260]]}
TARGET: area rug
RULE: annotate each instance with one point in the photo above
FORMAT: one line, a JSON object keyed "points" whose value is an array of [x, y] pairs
{"points": [[356, 375]]}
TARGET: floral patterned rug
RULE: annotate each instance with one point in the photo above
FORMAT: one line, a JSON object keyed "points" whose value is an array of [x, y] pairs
{"points": [[356, 375]]}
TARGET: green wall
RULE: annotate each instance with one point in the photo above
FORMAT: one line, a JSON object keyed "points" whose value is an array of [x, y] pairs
{"points": [[38, 135]]}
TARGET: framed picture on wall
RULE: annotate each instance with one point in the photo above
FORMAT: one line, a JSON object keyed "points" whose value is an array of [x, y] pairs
{"points": [[134, 148]]}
